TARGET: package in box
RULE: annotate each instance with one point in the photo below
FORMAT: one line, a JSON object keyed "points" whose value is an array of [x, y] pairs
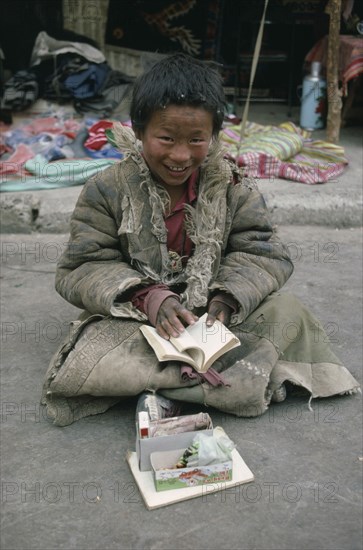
{"points": [[148, 445], [167, 477]]}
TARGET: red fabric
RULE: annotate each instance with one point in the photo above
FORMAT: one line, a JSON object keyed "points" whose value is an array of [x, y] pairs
{"points": [[96, 135], [178, 240]]}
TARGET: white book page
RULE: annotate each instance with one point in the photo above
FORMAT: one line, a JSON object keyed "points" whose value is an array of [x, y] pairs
{"points": [[212, 339], [186, 342], [165, 350], [198, 345], [161, 346]]}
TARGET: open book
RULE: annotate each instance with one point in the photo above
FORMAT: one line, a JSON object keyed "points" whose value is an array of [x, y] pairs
{"points": [[198, 346]]}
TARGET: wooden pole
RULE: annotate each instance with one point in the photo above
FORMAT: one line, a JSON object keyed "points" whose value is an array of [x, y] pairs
{"points": [[334, 94]]}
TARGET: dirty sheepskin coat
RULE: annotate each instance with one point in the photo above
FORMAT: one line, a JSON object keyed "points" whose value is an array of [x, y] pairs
{"points": [[118, 244]]}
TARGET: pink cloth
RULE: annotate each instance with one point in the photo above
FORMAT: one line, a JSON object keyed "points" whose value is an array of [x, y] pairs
{"points": [[52, 125], [262, 165], [14, 164], [350, 57]]}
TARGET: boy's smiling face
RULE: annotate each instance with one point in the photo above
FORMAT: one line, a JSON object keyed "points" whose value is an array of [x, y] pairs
{"points": [[175, 143]]}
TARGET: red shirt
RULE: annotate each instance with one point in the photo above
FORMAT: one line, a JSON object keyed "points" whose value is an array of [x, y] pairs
{"points": [[177, 238]]}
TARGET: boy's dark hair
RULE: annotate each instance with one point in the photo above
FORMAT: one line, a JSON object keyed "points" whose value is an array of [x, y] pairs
{"points": [[178, 79]]}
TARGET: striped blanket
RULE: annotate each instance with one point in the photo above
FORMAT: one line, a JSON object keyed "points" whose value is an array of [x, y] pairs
{"points": [[284, 151]]}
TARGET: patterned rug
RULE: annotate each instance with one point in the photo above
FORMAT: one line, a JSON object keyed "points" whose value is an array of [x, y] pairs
{"points": [[163, 26]]}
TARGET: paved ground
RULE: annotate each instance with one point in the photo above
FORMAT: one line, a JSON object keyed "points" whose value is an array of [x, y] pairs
{"points": [[307, 489], [70, 488]]}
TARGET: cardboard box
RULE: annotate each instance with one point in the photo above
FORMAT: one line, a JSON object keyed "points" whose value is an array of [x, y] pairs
{"points": [[167, 477], [146, 446], [155, 499]]}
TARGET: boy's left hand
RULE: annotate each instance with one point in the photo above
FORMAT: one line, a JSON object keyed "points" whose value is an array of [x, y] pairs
{"points": [[220, 311]]}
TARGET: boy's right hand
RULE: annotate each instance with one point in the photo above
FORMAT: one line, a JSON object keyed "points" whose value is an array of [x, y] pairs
{"points": [[170, 316]]}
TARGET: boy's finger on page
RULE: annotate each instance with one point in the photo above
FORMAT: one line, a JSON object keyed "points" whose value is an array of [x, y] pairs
{"points": [[167, 329], [210, 320], [187, 316], [162, 333]]}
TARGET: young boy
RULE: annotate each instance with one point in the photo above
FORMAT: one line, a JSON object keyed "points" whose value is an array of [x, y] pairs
{"points": [[171, 232]]}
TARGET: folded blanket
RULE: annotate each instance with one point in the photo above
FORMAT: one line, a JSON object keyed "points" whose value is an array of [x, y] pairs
{"points": [[284, 151]]}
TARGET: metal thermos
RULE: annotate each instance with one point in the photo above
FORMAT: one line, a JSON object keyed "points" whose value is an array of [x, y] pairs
{"points": [[313, 99]]}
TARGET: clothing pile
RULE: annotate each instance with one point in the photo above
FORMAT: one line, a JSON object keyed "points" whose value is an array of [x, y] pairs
{"points": [[55, 151], [62, 71]]}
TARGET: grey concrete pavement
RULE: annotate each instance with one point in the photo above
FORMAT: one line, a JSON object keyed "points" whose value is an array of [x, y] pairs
{"points": [[70, 488]]}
